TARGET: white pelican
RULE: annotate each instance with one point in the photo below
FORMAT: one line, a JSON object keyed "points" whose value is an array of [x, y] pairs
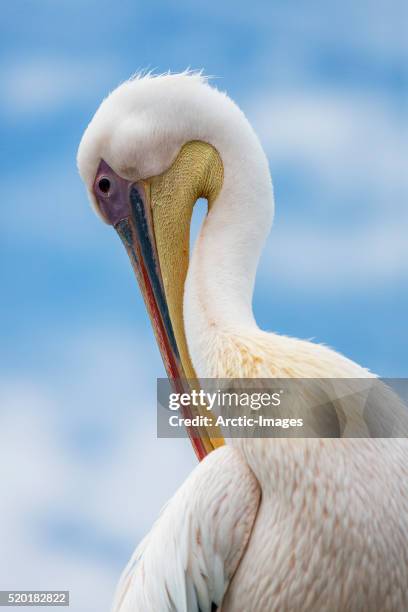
{"points": [[261, 524]]}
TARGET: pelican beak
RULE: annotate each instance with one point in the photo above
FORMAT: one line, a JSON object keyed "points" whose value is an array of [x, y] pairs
{"points": [[125, 205], [135, 209]]}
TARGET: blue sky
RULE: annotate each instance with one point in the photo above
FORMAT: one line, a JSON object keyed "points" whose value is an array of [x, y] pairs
{"points": [[325, 85]]}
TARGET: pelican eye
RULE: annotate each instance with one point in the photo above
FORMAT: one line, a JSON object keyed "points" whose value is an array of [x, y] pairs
{"points": [[104, 185]]}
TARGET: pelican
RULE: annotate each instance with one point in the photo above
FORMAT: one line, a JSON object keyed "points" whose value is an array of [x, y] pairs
{"points": [[260, 525]]}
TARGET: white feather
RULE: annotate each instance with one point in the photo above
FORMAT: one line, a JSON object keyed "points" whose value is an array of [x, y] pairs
{"points": [[188, 559]]}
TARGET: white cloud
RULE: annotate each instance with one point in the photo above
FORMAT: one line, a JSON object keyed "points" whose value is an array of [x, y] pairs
{"points": [[377, 29], [49, 207], [342, 141], [42, 85], [47, 481], [346, 260], [352, 150]]}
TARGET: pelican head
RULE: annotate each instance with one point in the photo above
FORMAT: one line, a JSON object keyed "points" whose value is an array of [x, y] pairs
{"points": [[155, 146]]}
